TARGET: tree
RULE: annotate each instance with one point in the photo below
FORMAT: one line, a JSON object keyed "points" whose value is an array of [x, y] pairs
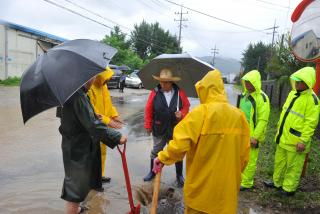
{"points": [[150, 40], [124, 56], [283, 62], [256, 57]]}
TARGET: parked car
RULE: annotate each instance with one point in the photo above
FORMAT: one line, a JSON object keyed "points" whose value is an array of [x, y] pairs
{"points": [[114, 82], [134, 81]]}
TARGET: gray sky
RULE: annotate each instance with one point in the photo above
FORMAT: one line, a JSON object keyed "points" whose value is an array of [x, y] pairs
{"points": [[198, 37]]}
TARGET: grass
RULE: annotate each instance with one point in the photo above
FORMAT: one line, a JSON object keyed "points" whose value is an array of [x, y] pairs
{"points": [[11, 81], [307, 197]]}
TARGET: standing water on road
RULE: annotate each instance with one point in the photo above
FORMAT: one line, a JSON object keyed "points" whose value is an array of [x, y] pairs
{"points": [[31, 169]]}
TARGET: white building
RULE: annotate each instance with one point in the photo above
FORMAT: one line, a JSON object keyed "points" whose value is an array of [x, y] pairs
{"points": [[20, 46]]}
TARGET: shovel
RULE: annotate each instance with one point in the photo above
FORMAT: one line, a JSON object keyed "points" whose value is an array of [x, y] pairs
{"points": [[134, 209], [156, 189]]}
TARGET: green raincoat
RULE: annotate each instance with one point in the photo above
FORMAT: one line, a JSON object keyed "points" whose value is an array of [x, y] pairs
{"points": [[298, 120], [81, 135], [256, 107]]}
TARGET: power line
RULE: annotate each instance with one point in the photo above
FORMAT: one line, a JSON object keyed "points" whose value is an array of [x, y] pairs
{"points": [[278, 5], [79, 14], [96, 14], [86, 17], [214, 17]]}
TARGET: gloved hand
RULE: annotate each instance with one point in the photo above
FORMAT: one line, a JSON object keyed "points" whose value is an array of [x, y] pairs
{"points": [[157, 165]]}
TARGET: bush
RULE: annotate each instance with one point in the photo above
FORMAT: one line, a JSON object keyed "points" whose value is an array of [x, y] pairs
{"points": [[11, 81]]}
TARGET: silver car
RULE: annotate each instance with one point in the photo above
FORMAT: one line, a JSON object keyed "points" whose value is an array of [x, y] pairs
{"points": [[133, 81]]}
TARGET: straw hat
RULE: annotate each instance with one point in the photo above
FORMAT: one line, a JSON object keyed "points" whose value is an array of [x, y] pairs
{"points": [[166, 76]]}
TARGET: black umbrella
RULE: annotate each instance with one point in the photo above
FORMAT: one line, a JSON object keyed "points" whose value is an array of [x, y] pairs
{"points": [[188, 68], [60, 72]]}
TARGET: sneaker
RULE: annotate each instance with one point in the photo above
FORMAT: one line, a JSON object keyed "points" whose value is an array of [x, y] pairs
{"points": [[287, 194], [242, 188], [105, 179], [270, 184]]}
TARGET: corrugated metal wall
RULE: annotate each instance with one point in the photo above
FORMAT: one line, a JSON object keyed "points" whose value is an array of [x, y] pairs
{"points": [[22, 50]]}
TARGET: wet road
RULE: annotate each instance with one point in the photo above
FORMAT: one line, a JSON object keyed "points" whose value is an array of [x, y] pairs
{"points": [[31, 169]]}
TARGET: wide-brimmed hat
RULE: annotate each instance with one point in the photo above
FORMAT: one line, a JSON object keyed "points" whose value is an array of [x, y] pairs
{"points": [[166, 76]]}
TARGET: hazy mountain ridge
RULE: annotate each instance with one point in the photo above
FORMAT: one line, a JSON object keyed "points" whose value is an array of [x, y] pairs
{"points": [[225, 65]]}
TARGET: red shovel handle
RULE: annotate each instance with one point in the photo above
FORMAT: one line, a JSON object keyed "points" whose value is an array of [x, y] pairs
{"points": [[123, 151], [134, 210]]}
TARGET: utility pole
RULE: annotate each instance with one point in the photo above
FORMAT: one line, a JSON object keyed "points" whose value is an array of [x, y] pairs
{"points": [[272, 43], [180, 20], [214, 51], [274, 32]]}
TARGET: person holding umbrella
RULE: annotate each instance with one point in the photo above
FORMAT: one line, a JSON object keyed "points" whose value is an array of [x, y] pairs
{"points": [[215, 138], [82, 133], [166, 106], [101, 102]]}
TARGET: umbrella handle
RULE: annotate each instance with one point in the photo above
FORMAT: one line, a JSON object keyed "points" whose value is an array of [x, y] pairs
{"points": [[156, 189]]}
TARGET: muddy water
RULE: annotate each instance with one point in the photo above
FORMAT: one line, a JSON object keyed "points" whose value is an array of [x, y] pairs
{"points": [[31, 170]]}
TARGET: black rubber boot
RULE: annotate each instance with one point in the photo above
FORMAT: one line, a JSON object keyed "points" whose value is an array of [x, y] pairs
{"points": [[151, 174], [180, 179]]}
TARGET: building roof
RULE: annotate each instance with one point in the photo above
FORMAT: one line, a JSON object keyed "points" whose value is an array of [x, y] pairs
{"points": [[32, 31]]}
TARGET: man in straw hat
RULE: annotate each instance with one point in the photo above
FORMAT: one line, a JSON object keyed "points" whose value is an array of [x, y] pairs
{"points": [[166, 106]]}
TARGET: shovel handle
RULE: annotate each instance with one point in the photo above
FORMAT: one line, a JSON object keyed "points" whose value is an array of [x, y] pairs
{"points": [[123, 151], [156, 189]]}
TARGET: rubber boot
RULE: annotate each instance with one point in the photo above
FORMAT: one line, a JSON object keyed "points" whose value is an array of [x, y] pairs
{"points": [[151, 174], [180, 179]]}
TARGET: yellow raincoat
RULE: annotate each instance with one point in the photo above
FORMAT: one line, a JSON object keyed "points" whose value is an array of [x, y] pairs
{"points": [[298, 120], [215, 138], [102, 105], [257, 108]]}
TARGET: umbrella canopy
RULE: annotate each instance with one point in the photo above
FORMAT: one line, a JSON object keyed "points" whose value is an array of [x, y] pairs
{"points": [[188, 68], [60, 72]]}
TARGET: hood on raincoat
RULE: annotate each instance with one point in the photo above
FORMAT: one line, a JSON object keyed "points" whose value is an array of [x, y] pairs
{"points": [[254, 78], [306, 74], [102, 77], [210, 88]]}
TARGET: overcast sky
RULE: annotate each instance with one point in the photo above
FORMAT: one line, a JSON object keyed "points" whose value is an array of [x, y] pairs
{"points": [[200, 34]]}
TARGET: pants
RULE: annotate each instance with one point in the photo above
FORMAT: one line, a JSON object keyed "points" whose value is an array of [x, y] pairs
{"points": [[158, 144], [287, 169], [103, 148], [247, 176], [189, 210]]}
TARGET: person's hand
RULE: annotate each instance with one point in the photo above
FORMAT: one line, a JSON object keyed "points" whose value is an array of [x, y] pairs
{"points": [[149, 131], [114, 124], [178, 115], [254, 142], [123, 140], [118, 119], [300, 147], [157, 165], [99, 116]]}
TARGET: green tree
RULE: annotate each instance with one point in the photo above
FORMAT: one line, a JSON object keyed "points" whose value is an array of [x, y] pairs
{"points": [[256, 57], [283, 62], [150, 40], [124, 56]]}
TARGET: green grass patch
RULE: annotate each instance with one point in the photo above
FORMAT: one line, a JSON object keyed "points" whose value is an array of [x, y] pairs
{"points": [[11, 81], [307, 197]]}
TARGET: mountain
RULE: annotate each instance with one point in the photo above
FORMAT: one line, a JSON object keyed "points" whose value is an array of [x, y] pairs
{"points": [[225, 65]]}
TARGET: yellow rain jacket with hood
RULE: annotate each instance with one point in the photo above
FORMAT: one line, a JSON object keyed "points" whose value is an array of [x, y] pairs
{"points": [[256, 107], [101, 102], [298, 120], [215, 138]]}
